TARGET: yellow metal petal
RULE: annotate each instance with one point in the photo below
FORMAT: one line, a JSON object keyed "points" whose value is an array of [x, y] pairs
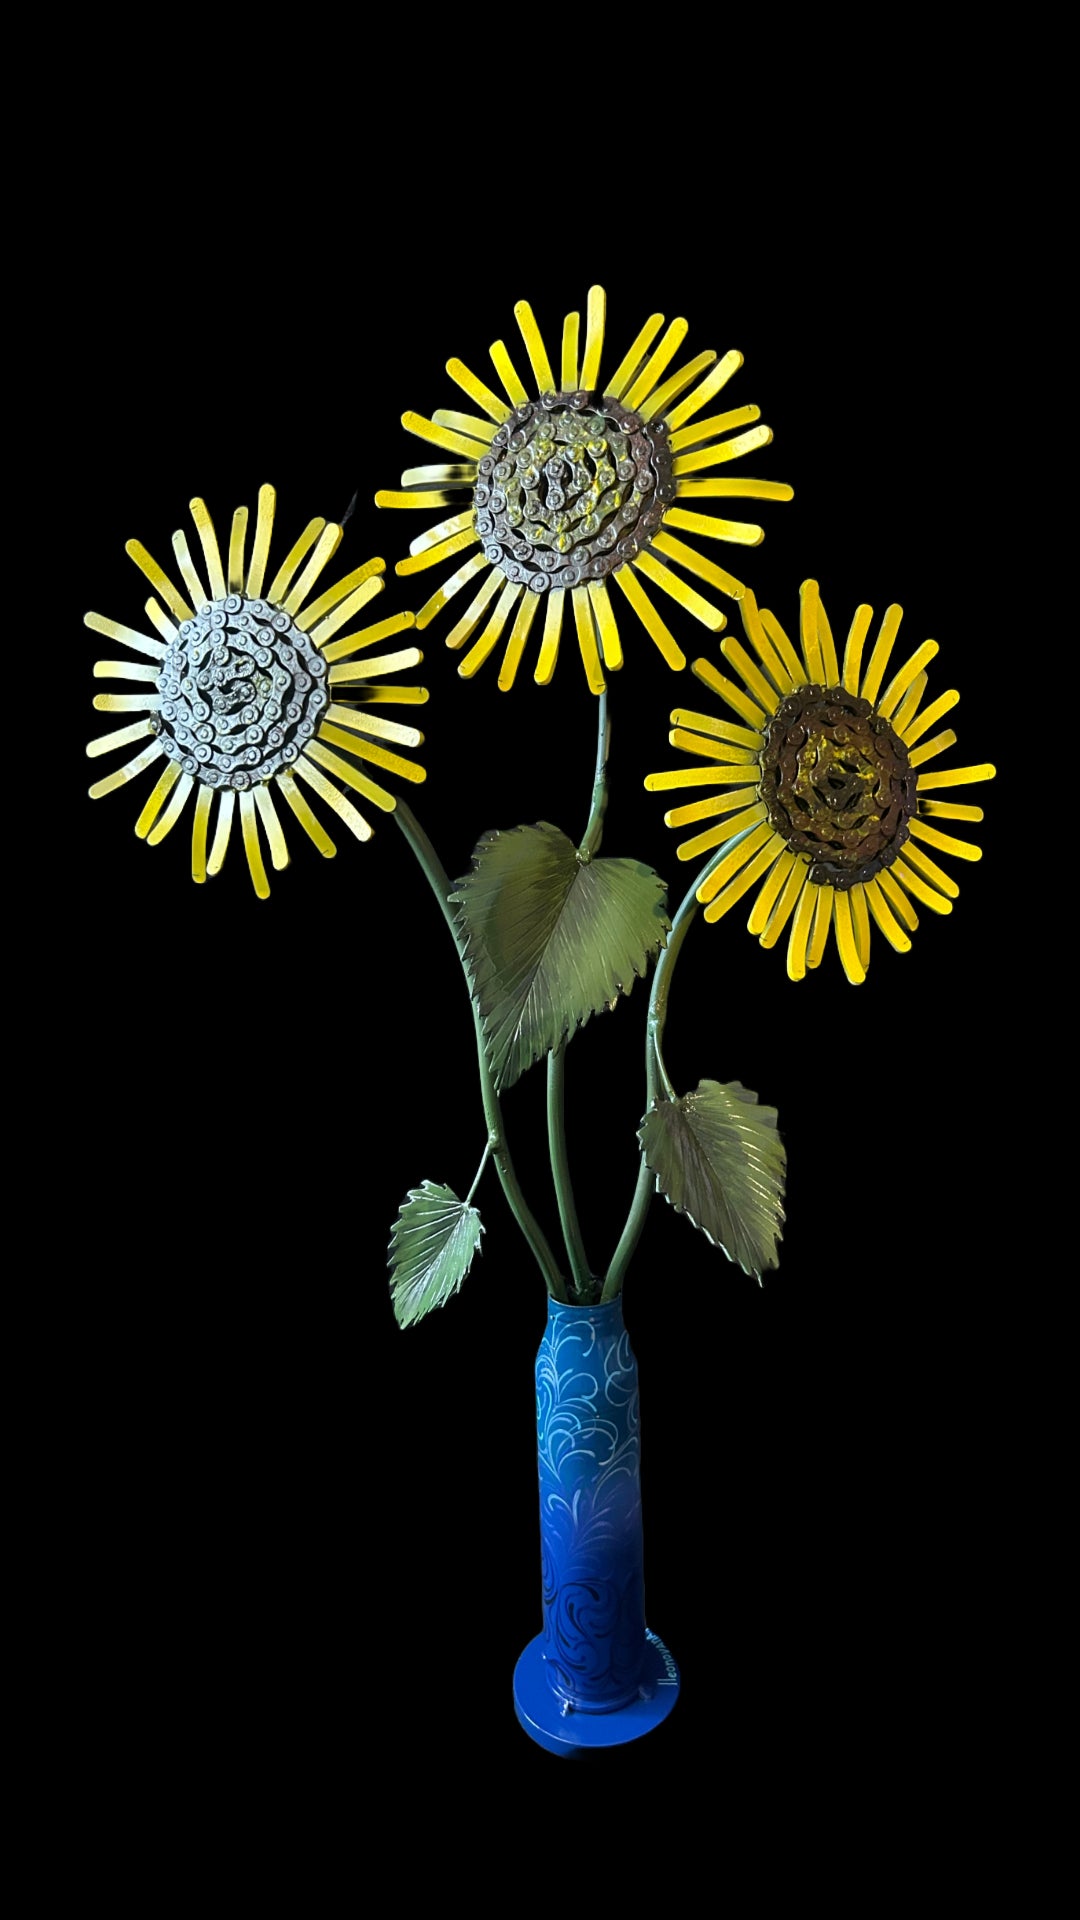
{"points": [[819, 935], [466, 423], [352, 672], [909, 705], [687, 597], [682, 777], [695, 562], [897, 898], [203, 802], [661, 357], [753, 615], [800, 932], [471, 617], [393, 696], [156, 800], [490, 637], [754, 715], [710, 809], [167, 820], [740, 532], [709, 748], [113, 630], [507, 373], [596, 308], [344, 770], [474, 565], [534, 347], [237, 538], [125, 670], [586, 633], [860, 627], [702, 394], [828, 647], [676, 383], [489, 402], [808, 632], [945, 843], [716, 423], [260, 553], [635, 355], [275, 838], [766, 695], [883, 647], [947, 810], [415, 497], [629, 584], [279, 586], [782, 680], [130, 772], [882, 912], [738, 488], [569, 364], [955, 776], [200, 513], [515, 646], [127, 702], [846, 943], [719, 729], [770, 892], [930, 870], [249, 824], [367, 750], [222, 832], [861, 920], [333, 796], [929, 896], [350, 643], [933, 747], [902, 680], [326, 545], [457, 543], [148, 565], [781, 913], [312, 826], [764, 859], [443, 436], [549, 646], [363, 722], [344, 611], [199, 596], [604, 614], [748, 845], [119, 737], [722, 451], [457, 473], [928, 717], [434, 536]]}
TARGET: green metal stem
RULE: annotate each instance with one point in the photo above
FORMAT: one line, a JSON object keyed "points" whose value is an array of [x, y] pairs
{"points": [[594, 830], [436, 876], [656, 1077]]}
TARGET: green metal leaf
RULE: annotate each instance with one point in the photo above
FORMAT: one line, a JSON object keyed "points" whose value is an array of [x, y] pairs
{"points": [[551, 938], [718, 1158], [431, 1250]]}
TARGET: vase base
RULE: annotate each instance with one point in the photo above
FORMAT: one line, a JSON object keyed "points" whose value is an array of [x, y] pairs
{"points": [[544, 1720]]}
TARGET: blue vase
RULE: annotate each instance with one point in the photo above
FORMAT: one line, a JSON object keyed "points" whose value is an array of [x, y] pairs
{"points": [[595, 1676]]}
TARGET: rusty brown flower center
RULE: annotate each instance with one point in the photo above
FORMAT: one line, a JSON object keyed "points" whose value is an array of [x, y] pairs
{"points": [[838, 784]]}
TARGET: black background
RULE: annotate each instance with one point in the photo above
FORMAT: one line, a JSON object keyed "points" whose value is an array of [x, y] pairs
{"points": [[313, 1534]]}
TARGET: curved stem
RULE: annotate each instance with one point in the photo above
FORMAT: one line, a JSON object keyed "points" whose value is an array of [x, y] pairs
{"points": [[656, 1077], [436, 877], [560, 1171], [594, 830]]}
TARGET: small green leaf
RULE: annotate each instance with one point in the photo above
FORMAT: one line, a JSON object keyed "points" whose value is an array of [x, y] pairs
{"points": [[431, 1249], [718, 1158], [551, 938]]}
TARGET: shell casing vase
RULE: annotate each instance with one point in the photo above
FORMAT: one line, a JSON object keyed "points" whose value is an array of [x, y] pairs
{"points": [[595, 1676]]}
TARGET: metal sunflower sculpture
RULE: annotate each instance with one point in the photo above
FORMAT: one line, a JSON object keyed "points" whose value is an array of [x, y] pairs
{"points": [[575, 488], [820, 788], [249, 689]]}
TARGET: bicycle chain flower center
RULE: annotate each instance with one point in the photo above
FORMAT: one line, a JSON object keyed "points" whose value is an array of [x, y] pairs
{"points": [[242, 690], [573, 487], [838, 783]]}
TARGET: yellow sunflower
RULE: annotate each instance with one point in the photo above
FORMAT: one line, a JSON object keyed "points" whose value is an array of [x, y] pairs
{"points": [[821, 787], [248, 689], [575, 488]]}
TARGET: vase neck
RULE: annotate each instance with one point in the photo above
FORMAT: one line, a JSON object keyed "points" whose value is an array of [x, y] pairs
{"points": [[604, 1318]]}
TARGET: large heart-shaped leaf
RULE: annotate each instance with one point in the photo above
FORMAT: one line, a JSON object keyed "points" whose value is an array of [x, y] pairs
{"points": [[432, 1244], [551, 938], [718, 1158]]}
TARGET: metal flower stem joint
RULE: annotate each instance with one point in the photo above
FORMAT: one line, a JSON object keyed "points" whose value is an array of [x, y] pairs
{"points": [[436, 876]]}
